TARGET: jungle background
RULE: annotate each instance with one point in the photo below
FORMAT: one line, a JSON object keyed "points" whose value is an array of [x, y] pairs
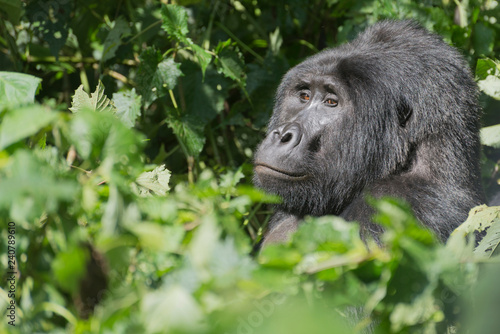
{"points": [[126, 137]]}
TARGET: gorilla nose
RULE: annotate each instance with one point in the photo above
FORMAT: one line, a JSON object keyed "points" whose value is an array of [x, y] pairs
{"points": [[289, 135]]}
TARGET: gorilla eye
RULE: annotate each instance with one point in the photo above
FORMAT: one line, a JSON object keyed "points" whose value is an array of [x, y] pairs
{"points": [[331, 102], [304, 97]]}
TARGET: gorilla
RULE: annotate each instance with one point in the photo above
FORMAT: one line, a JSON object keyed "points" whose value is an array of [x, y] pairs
{"points": [[392, 113]]}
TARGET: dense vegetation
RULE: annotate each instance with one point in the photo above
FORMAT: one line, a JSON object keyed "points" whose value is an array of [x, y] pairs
{"points": [[126, 138]]}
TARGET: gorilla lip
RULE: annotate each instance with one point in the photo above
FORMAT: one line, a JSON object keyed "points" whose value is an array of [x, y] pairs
{"points": [[266, 169]]}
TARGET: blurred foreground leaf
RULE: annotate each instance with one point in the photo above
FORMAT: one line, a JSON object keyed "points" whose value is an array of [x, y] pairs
{"points": [[20, 123], [17, 88]]}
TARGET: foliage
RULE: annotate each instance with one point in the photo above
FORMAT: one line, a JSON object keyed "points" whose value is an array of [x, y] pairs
{"points": [[128, 175]]}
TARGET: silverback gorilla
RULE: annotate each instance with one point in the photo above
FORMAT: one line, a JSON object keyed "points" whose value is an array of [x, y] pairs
{"points": [[392, 113]]}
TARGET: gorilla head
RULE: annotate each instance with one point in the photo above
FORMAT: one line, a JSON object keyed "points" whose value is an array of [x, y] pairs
{"points": [[393, 113]]}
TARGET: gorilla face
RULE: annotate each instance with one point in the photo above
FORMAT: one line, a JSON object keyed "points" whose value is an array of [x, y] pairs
{"points": [[292, 146], [306, 136]]}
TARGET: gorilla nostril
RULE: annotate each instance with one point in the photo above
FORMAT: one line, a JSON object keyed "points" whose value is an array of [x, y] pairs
{"points": [[291, 134], [286, 137]]}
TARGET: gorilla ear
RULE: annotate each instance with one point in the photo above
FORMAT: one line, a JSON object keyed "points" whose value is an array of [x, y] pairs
{"points": [[404, 111]]}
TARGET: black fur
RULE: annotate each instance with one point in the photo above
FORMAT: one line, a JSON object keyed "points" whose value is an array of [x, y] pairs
{"points": [[392, 113]]}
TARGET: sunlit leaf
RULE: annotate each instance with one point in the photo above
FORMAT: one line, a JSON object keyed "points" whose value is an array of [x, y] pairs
{"points": [[17, 88], [171, 308], [128, 106], [491, 85], [155, 182], [97, 101], [491, 136]]}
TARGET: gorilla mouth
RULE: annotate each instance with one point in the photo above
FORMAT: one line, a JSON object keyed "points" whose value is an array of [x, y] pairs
{"points": [[273, 171]]}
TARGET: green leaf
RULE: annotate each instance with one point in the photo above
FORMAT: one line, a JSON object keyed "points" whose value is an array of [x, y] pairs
{"points": [[490, 244], [203, 57], [422, 309], [486, 67], [167, 74], [491, 86], [488, 76], [17, 88], [97, 101], [189, 132], [175, 21], [156, 76], [13, 9], [69, 268], [171, 309], [23, 122], [209, 92], [155, 182], [278, 256], [108, 144], [257, 195], [229, 180], [482, 218], [229, 62], [490, 136], [30, 187], [52, 20], [114, 39], [128, 106], [159, 238], [483, 39]]}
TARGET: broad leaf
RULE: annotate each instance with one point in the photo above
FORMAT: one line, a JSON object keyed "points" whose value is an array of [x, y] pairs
{"points": [[206, 96], [17, 88], [97, 101], [69, 267], [20, 123], [229, 62], [490, 244], [175, 21], [491, 136], [491, 86], [156, 76], [128, 106], [114, 39], [483, 38], [31, 187], [202, 56], [13, 8], [155, 182], [190, 134], [53, 19], [486, 67], [483, 218], [107, 143]]}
